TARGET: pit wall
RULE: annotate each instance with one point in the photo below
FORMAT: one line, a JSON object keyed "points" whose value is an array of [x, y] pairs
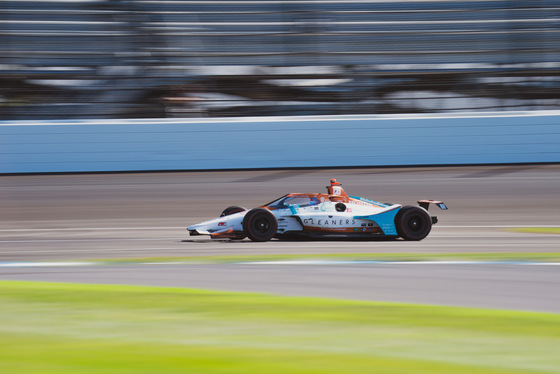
{"points": [[278, 142]]}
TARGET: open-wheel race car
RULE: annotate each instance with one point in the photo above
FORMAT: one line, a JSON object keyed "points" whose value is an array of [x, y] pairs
{"points": [[334, 214]]}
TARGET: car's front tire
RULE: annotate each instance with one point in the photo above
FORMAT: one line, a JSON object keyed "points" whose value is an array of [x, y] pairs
{"points": [[232, 210], [260, 225], [413, 223]]}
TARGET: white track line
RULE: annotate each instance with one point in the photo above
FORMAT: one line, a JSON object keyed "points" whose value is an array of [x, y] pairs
{"points": [[42, 264], [208, 247], [87, 240], [326, 262], [278, 263]]}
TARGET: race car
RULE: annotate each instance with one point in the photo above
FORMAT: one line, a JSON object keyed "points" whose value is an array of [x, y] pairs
{"points": [[314, 215]]}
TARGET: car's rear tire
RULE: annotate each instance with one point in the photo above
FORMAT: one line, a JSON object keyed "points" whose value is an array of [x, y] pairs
{"points": [[260, 225], [232, 210], [413, 223]]}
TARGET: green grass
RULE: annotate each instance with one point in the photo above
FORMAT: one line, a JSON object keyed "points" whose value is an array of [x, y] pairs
{"points": [[537, 230], [70, 328]]}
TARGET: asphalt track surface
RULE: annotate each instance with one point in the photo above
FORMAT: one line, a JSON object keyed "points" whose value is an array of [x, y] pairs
{"points": [[134, 215]]}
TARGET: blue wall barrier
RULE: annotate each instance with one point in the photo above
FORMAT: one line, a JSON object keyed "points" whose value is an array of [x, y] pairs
{"points": [[278, 142]]}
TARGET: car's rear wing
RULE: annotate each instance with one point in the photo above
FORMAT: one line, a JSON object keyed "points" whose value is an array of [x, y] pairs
{"points": [[426, 204]]}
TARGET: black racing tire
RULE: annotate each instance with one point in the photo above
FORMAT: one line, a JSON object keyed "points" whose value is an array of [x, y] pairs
{"points": [[413, 222], [232, 210], [260, 225]]}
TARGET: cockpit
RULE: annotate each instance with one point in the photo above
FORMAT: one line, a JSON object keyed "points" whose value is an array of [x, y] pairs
{"points": [[294, 200]]}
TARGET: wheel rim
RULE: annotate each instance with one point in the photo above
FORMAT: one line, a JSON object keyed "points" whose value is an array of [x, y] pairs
{"points": [[415, 223], [262, 225]]}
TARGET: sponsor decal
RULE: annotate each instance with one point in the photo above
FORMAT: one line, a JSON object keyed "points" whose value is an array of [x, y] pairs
{"points": [[363, 201], [327, 207], [330, 222], [221, 224], [360, 203]]}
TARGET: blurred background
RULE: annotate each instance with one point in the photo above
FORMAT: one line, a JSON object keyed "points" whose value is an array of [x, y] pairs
{"points": [[151, 59]]}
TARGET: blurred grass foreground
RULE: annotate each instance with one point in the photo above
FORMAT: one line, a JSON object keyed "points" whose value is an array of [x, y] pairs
{"points": [[70, 328], [144, 59]]}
